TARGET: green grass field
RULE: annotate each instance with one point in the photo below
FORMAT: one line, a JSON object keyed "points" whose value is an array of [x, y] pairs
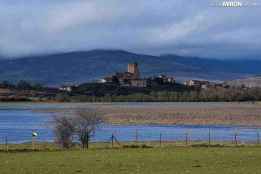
{"points": [[167, 160]]}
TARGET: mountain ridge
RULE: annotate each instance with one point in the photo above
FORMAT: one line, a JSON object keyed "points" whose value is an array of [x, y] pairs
{"points": [[82, 66]]}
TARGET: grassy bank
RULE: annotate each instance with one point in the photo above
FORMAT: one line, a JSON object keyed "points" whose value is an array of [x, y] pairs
{"points": [[165, 160], [52, 147]]}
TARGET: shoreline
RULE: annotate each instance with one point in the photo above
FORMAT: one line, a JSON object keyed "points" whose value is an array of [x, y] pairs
{"points": [[245, 114]]}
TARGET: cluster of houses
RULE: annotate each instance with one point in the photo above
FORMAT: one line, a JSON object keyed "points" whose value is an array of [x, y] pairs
{"points": [[132, 78], [203, 84], [5, 92]]}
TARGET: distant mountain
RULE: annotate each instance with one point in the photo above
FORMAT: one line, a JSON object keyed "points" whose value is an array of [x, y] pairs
{"points": [[78, 67]]}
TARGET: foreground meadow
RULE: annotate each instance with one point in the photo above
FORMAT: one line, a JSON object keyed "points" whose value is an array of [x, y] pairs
{"points": [[167, 160]]}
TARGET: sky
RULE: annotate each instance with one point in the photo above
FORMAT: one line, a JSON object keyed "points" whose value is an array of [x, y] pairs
{"points": [[185, 27]]}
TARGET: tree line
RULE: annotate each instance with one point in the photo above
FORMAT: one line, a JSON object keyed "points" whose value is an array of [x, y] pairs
{"points": [[180, 93], [201, 95], [22, 85]]}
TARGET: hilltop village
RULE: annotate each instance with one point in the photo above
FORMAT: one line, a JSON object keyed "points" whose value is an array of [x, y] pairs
{"points": [[129, 86], [133, 79]]}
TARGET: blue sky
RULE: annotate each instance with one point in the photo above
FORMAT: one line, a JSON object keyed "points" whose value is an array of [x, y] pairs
{"points": [[185, 27]]}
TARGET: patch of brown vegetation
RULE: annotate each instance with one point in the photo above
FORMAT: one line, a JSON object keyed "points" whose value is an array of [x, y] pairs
{"points": [[177, 113]]}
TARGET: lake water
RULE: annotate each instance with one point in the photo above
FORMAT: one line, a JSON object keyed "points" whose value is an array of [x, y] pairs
{"points": [[18, 121]]}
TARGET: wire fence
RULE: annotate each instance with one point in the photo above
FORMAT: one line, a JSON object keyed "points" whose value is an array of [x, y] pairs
{"points": [[120, 136]]}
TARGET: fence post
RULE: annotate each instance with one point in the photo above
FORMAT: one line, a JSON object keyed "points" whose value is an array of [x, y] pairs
{"points": [[34, 135], [235, 137], [258, 137], [112, 140], [160, 139], [6, 144], [33, 143], [136, 136], [209, 137], [187, 138]]}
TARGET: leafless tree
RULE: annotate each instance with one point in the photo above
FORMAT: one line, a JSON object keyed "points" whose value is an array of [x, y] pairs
{"points": [[86, 122], [64, 129]]}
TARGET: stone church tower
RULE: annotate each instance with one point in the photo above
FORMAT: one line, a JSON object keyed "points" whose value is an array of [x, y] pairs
{"points": [[134, 69]]}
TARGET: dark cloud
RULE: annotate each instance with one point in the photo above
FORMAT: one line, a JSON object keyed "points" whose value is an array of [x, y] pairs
{"points": [[156, 27]]}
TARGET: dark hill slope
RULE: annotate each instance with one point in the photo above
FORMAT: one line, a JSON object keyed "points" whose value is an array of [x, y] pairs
{"points": [[77, 67]]}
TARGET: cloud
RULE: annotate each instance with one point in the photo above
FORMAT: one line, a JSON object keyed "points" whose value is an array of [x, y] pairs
{"points": [[194, 28]]}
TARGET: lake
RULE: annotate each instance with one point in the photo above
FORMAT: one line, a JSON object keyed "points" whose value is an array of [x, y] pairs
{"points": [[17, 121]]}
